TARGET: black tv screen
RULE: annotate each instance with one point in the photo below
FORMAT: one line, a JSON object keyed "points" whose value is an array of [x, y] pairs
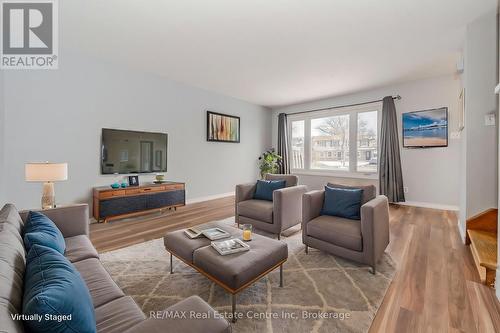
{"points": [[125, 152], [424, 129]]}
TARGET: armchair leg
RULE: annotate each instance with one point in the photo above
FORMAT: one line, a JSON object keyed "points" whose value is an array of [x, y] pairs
{"points": [[373, 270], [307, 249], [279, 236]]}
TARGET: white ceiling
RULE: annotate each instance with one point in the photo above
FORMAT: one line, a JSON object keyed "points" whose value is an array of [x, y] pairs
{"points": [[274, 52]]}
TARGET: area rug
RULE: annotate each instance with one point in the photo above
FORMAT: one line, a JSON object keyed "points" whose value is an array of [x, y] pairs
{"points": [[322, 293]]}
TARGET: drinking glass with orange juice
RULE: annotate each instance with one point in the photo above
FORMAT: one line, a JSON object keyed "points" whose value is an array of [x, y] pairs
{"points": [[247, 232]]}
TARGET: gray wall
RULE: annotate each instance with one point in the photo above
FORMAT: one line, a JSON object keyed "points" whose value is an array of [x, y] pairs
{"points": [[58, 115], [431, 175], [479, 186]]}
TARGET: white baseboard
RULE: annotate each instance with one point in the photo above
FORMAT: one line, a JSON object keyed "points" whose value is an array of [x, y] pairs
{"points": [[461, 230], [209, 197], [429, 205]]}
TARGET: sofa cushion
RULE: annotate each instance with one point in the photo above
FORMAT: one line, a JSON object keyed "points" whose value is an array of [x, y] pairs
{"points": [[79, 248], [261, 210], [12, 266], [342, 203], [336, 230], [369, 191], [264, 189], [119, 315], [102, 288], [54, 287], [7, 324], [39, 229], [10, 215]]}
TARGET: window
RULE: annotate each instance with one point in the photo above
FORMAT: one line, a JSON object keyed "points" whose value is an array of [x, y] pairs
{"points": [[367, 141], [297, 157], [341, 141], [326, 130]]}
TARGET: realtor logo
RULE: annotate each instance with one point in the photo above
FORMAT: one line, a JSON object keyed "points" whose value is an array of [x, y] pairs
{"points": [[29, 34]]}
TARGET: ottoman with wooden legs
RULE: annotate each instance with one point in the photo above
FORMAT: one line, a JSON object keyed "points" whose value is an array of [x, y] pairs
{"points": [[233, 272]]}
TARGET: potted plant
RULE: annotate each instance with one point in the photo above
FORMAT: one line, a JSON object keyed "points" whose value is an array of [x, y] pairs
{"points": [[269, 162]]}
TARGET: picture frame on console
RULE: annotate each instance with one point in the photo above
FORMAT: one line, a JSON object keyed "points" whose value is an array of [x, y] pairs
{"points": [[133, 180]]}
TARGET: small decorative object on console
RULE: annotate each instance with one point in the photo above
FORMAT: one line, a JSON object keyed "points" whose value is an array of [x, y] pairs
{"points": [[230, 246], [124, 184], [159, 179], [133, 180], [115, 185]]}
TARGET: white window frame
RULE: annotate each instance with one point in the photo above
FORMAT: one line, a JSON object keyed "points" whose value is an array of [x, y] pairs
{"points": [[353, 112]]}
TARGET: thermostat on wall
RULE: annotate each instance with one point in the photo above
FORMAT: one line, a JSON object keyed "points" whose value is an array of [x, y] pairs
{"points": [[489, 119]]}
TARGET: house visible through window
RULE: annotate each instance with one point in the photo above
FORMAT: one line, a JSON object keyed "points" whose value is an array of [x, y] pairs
{"points": [[343, 140], [367, 141], [297, 143]]}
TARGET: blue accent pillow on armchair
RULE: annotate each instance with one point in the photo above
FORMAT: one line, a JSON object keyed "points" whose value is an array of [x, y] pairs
{"points": [[39, 229], [53, 287], [342, 202], [265, 188]]}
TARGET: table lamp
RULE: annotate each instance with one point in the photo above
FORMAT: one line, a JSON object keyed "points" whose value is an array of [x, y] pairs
{"points": [[46, 173]]}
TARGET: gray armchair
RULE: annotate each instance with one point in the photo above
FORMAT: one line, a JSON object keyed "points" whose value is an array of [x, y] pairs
{"points": [[363, 241], [275, 216]]}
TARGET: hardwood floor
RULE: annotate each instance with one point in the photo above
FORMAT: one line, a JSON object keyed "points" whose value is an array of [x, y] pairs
{"points": [[121, 233], [436, 287]]}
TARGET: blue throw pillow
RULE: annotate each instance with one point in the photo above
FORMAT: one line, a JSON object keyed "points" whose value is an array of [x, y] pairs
{"points": [[55, 291], [342, 202], [39, 229], [265, 188]]}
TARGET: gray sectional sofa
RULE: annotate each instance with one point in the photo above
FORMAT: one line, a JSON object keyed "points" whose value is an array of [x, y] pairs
{"points": [[114, 311]]}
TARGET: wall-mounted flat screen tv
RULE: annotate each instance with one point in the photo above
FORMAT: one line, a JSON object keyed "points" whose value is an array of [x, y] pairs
{"points": [[125, 152], [425, 129]]}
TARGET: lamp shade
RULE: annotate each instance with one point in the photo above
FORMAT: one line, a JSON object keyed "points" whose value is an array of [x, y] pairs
{"points": [[46, 172]]}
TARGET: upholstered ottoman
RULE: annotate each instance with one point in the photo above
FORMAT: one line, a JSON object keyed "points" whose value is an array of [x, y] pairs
{"points": [[233, 272]]}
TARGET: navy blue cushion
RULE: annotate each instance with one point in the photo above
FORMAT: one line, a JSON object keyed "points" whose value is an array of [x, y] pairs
{"points": [[39, 229], [53, 287], [342, 202], [264, 189]]}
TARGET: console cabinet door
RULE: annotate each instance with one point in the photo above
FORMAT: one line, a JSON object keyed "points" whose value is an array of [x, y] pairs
{"points": [[131, 204]]}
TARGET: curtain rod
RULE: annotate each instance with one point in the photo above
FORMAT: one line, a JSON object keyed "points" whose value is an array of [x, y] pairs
{"points": [[342, 106]]}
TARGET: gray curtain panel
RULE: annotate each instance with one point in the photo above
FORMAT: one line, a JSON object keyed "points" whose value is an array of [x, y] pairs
{"points": [[391, 176], [283, 143]]}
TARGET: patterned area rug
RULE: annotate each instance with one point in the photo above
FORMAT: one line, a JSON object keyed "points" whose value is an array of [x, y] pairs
{"points": [[322, 293]]}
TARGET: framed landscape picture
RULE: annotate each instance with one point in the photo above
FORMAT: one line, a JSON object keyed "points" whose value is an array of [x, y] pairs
{"points": [[223, 127], [425, 129]]}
